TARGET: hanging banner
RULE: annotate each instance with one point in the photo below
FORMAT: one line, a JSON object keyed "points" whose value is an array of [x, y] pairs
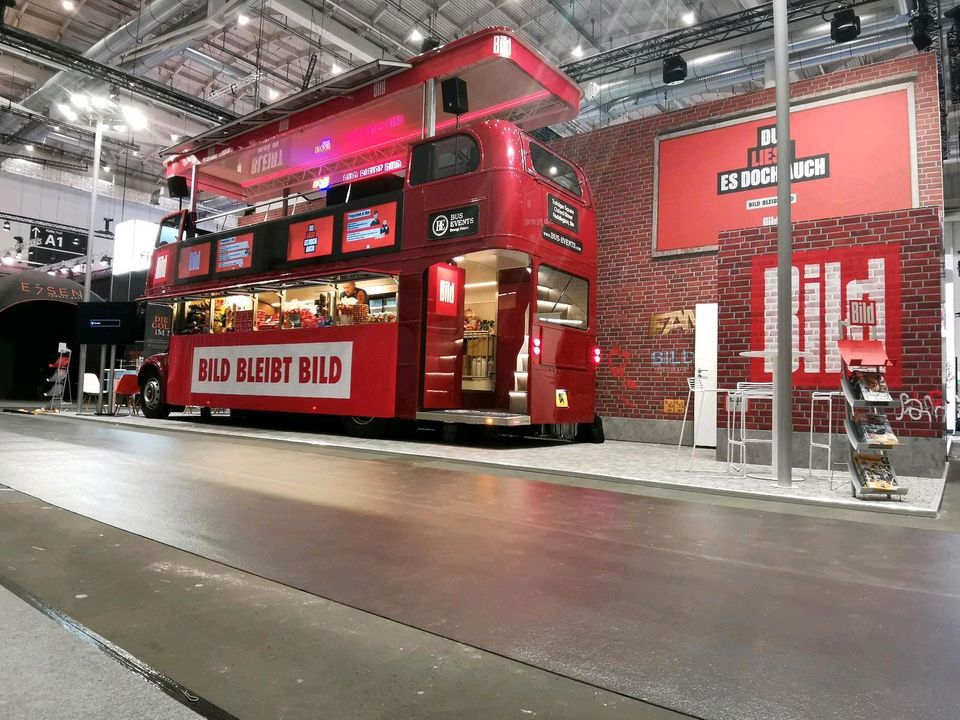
{"points": [[851, 155]]}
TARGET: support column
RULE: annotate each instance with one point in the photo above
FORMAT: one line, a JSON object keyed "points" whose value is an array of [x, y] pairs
{"points": [[88, 268], [783, 376]]}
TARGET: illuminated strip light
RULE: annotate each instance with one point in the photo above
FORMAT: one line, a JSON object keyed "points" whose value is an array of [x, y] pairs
{"points": [[558, 321], [488, 283], [552, 304]]}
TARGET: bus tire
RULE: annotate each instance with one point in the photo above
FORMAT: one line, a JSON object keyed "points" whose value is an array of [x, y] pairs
{"points": [[364, 427], [591, 432], [206, 414], [151, 397]]}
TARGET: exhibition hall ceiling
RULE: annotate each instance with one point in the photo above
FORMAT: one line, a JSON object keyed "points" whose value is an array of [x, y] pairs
{"points": [[238, 54]]}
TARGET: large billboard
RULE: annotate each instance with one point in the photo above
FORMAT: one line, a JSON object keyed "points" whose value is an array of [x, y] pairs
{"points": [[851, 154]]}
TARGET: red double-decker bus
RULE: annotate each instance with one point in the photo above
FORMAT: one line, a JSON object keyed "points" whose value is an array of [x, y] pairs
{"points": [[416, 266]]}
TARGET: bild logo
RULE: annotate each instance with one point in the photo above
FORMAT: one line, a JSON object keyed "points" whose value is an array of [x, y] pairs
{"points": [[842, 293], [440, 225], [448, 292]]}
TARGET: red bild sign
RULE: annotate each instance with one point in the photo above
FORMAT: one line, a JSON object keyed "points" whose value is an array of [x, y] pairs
{"points": [[855, 285], [850, 156]]}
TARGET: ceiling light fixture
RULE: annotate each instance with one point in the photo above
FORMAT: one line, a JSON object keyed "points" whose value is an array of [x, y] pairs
{"points": [[120, 128], [67, 111], [689, 18], [6, 225], [134, 117], [845, 26], [29, 148], [577, 52], [416, 35], [100, 102], [335, 69], [80, 101], [919, 35], [106, 168], [242, 19], [68, 5], [674, 70], [272, 94]]}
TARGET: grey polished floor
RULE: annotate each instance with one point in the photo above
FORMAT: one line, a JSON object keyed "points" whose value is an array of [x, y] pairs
{"points": [[715, 611]]}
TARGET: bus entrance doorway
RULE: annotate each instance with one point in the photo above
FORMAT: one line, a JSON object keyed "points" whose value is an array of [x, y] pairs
{"points": [[482, 354]]}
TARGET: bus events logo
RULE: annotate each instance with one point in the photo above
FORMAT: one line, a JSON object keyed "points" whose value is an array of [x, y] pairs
{"points": [[761, 169]]}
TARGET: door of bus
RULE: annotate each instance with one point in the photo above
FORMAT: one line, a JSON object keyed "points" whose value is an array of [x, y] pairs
{"points": [[443, 339]]}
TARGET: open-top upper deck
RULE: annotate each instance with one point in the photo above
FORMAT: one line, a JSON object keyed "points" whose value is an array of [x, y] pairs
{"points": [[360, 124]]}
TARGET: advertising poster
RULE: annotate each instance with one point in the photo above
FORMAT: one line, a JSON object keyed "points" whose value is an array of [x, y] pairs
{"points": [[194, 261], [235, 253], [310, 238], [158, 326], [855, 285], [161, 266], [370, 227], [850, 155]]}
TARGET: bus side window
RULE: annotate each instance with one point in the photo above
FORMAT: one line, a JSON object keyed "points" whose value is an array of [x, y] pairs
{"points": [[443, 158]]}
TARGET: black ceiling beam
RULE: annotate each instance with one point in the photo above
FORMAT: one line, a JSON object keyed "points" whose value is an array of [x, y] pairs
{"points": [[64, 127], [705, 34], [58, 56]]}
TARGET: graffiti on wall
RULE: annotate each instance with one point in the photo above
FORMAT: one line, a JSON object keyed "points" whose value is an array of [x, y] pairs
{"points": [[857, 288], [674, 321], [929, 406]]}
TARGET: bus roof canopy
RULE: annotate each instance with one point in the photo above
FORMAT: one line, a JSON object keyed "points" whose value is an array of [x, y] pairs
{"points": [[359, 124]]}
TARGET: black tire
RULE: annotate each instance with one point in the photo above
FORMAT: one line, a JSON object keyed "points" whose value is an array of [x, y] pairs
{"points": [[591, 432], [205, 414], [364, 427], [151, 397]]}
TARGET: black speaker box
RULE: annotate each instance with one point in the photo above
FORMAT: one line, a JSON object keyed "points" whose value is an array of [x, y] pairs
{"points": [[177, 186], [454, 92]]}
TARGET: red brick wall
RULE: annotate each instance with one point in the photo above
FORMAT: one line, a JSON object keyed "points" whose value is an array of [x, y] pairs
{"points": [[640, 373], [918, 233]]}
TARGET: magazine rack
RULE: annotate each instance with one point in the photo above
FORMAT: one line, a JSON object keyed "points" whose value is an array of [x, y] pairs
{"points": [[60, 379], [868, 431]]}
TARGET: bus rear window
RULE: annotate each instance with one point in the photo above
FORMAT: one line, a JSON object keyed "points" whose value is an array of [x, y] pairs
{"points": [[562, 299], [169, 230], [557, 171], [449, 156]]}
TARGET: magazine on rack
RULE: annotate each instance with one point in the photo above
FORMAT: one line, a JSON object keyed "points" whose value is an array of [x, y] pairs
{"points": [[874, 472], [871, 386], [874, 428]]}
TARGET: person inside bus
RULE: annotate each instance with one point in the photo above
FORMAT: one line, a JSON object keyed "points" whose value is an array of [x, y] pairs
{"points": [[352, 294]]}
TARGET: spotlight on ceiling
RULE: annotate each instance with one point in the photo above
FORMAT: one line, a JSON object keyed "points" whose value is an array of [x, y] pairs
{"points": [[68, 5], [919, 35], [416, 35], [28, 148], [67, 111], [689, 18], [6, 225], [80, 101], [845, 26], [242, 19], [115, 94], [674, 70], [577, 52], [430, 43]]}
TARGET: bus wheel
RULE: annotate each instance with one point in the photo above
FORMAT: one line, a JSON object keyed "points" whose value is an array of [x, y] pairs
{"points": [[205, 414], [151, 398], [365, 427], [591, 432]]}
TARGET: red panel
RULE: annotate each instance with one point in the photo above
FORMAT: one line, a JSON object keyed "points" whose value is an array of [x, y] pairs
{"points": [[162, 266], [830, 286], [311, 238], [194, 261], [724, 178], [337, 370], [443, 352], [370, 227]]}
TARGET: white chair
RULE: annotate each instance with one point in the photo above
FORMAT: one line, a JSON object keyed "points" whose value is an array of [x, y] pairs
{"points": [[90, 387]]}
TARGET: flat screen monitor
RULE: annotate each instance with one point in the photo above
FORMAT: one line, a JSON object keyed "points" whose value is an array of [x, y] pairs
{"points": [[108, 323]]}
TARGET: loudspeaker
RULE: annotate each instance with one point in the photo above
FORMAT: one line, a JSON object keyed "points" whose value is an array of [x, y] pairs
{"points": [[177, 186], [454, 92]]}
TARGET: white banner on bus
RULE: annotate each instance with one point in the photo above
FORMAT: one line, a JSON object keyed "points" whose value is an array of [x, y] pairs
{"points": [[301, 370]]}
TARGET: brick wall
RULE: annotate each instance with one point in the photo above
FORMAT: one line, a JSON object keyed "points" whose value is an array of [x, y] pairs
{"points": [[915, 307], [647, 366]]}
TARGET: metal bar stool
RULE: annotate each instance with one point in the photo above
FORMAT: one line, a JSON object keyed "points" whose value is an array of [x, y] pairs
{"points": [[737, 410], [826, 397], [694, 388]]}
